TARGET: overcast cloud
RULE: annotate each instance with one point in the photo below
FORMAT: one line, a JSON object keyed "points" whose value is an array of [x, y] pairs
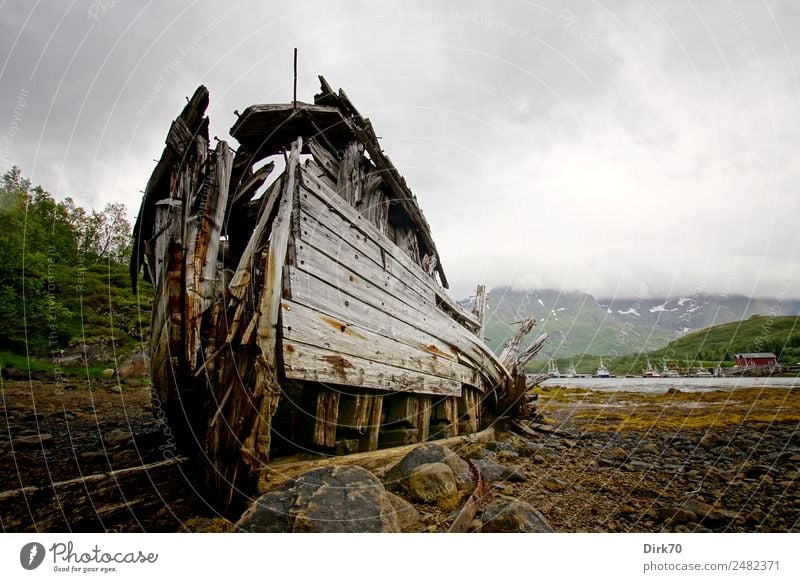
{"points": [[633, 149]]}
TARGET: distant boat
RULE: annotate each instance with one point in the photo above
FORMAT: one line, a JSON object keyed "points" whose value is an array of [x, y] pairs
{"points": [[668, 372], [718, 371], [571, 371], [702, 373], [650, 371], [602, 371], [552, 369]]}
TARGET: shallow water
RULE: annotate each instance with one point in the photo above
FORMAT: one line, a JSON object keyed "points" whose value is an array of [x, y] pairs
{"points": [[661, 385]]}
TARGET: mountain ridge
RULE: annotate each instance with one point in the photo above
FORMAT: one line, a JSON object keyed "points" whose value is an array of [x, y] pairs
{"points": [[579, 324]]}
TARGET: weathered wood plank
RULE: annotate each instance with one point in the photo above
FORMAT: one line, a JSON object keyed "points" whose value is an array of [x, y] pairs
{"points": [[204, 226], [309, 326], [335, 202], [267, 389], [305, 362], [340, 288], [325, 159], [344, 253], [351, 174], [325, 228]]}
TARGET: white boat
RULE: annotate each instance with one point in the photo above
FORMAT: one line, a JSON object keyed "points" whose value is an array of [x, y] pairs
{"points": [[650, 371], [571, 371], [702, 373], [602, 371], [552, 369], [668, 372]]}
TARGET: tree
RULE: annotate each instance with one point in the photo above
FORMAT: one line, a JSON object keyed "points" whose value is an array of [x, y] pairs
{"points": [[45, 247]]}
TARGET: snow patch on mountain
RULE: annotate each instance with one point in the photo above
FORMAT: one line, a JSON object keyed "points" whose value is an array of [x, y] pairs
{"points": [[630, 311]]}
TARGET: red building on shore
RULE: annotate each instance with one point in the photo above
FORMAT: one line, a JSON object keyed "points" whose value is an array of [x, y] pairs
{"points": [[756, 359]]}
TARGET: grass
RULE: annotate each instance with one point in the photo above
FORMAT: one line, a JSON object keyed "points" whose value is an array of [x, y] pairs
{"points": [[673, 410], [33, 364]]}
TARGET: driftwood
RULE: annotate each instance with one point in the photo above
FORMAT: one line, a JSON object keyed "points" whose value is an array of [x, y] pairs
{"points": [[147, 495], [306, 310], [276, 473], [470, 508]]}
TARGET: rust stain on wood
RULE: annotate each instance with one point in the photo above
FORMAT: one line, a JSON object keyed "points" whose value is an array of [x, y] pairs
{"points": [[434, 350], [339, 364]]}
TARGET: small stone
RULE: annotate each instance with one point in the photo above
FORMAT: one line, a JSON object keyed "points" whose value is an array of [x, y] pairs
{"points": [[115, 389], [107, 373], [118, 437], [539, 459], [676, 515], [699, 508], [431, 482], [506, 456], [497, 446], [618, 454], [34, 441], [711, 440], [648, 449], [510, 515], [554, 485]]}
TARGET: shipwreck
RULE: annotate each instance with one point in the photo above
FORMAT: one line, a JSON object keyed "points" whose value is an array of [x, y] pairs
{"points": [[304, 309]]}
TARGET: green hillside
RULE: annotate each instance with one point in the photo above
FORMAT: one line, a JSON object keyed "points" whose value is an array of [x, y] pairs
{"points": [[704, 348], [760, 333]]}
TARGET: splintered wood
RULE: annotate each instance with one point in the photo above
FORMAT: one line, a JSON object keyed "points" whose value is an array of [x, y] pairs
{"points": [[306, 310]]}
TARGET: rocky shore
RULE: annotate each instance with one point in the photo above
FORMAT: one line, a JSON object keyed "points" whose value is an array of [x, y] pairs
{"points": [[609, 462]]}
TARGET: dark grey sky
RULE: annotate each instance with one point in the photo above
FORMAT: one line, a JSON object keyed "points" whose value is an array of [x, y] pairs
{"points": [[625, 148]]}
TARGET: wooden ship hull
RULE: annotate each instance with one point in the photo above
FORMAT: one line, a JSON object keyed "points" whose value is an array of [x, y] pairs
{"points": [[308, 312]]}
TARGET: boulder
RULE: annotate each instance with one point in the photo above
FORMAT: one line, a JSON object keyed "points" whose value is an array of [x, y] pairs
{"points": [[327, 499], [431, 482], [107, 373], [510, 515], [407, 515], [424, 453], [135, 366], [492, 472], [34, 441]]}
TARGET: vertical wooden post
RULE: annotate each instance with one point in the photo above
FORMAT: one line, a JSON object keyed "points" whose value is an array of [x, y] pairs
{"points": [[371, 439], [424, 418], [480, 309]]}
